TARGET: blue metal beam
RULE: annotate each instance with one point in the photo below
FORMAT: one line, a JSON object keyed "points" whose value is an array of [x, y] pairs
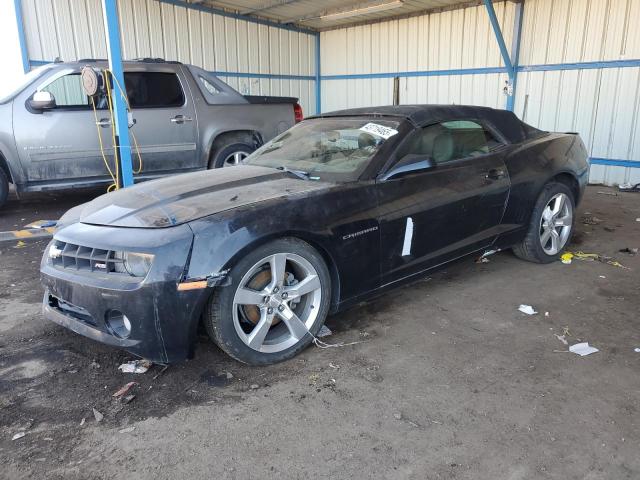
{"points": [[614, 162], [496, 29], [114, 49], [318, 77], [419, 73], [21, 36], [515, 53]]}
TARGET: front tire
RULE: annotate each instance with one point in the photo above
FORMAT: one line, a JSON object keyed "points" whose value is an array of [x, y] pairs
{"points": [[278, 294], [551, 225]]}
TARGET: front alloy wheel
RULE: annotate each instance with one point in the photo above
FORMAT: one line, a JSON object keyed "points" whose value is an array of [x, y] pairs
{"points": [[277, 301]]}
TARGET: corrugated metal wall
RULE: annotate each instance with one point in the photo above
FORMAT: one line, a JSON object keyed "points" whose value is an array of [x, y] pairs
{"points": [[602, 104], [73, 29], [452, 40]]}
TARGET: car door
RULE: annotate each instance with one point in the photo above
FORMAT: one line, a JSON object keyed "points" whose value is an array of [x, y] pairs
{"points": [[60, 145], [431, 216], [165, 124]]}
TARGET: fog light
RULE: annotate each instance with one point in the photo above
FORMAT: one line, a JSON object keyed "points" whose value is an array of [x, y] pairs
{"points": [[118, 323]]}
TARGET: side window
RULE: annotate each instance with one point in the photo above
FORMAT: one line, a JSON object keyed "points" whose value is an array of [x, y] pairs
{"points": [[209, 87], [153, 90], [452, 140], [68, 92]]}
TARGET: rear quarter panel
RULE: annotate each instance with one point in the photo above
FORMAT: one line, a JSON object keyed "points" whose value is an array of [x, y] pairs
{"points": [[533, 164]]}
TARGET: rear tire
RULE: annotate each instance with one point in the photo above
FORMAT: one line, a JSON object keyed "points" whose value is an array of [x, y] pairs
{"points": [[4, 187], [262, 318], [541, 244], [230, 151]]}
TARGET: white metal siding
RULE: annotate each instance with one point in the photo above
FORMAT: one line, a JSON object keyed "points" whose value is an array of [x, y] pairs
{"points": [[456, 39], [73, 29], [603, 105]]}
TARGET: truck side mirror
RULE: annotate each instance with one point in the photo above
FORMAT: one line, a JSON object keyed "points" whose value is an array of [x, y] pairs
{"points": [[409, 164], [41, 101]]}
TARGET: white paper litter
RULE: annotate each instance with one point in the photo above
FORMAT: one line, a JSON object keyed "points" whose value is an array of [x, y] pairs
{"points": [[637, 350], [583, 349], [127, 430], [135, 366], [528, 309], [18, 435]]}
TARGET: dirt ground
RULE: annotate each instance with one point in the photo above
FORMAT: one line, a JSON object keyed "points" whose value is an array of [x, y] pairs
{"points": [[450, 380]]}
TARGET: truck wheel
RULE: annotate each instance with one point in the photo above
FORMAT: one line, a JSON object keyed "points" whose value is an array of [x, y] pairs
{"points": [[4, 187], [229, 153]]}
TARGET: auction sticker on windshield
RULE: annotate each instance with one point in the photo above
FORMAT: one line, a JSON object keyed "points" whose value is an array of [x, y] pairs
{"points": [[379, 130]]}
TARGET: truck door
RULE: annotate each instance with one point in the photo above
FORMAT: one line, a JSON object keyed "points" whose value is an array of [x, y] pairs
{"points": [[165, 128], [60, 146]]}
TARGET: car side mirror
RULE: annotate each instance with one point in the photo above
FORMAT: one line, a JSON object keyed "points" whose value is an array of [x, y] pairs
{"points": [[408, 164], [42, 101]]}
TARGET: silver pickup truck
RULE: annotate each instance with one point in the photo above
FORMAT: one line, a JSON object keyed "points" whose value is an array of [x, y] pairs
{"points": [[184, 119]]}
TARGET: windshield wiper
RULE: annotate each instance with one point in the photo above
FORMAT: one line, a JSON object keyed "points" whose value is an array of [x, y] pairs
{"points": [[298, 173]]}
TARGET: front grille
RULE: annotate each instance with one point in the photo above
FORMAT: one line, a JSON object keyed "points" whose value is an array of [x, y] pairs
{"points": [[79, 257]]}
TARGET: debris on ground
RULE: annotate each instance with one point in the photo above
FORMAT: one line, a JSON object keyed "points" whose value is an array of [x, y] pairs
{"points": [[562, 338], [613, 194], [97, 415], [124, 390], [335, 367], [583, 349], [609, 229], [135, 366], [566, 258], [637, 349], [590, 220], [324, 332], [254, 386], [629, 187], [127, 430], [82, 422], [164, 369], [528, 309], [593, 257], [42, 224], [20, 244], [94, 365], [128, 399], [630, 251], [18, 435], [483, 258], [397, 416]]}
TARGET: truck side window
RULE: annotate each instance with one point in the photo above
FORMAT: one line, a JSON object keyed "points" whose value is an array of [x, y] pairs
{"points": [[69, 94], [447, 141], [153, 90]]}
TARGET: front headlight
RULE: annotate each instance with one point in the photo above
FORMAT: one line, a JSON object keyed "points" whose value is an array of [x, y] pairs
{"points": [[135, 264]]}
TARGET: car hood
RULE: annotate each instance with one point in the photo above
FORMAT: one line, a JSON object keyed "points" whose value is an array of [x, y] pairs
{"points": [[183, 198]]}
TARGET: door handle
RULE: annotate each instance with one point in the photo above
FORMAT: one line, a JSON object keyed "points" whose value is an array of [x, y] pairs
{"points": [[181, 119], [495, 174], [103, 122]]}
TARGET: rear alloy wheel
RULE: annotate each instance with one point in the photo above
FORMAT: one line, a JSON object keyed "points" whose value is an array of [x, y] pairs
{"points": [[550, 227], [230, 154], [281, 295]]}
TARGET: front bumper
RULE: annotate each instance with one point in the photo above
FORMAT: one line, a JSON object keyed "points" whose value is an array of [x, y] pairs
{"points": [[163, 320]]}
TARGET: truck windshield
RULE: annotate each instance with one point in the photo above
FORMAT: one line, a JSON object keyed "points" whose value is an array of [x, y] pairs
{"points": [[22, 83], [339, 148]]}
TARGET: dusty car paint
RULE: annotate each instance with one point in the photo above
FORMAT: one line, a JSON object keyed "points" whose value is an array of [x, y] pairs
{"points": [[199, 227]]}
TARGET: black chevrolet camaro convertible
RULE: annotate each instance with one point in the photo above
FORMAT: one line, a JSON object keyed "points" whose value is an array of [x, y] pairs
{"points": [[340, 208]]}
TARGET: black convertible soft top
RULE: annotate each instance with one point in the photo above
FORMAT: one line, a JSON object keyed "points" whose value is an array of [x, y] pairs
{"points": [[421, 115]]}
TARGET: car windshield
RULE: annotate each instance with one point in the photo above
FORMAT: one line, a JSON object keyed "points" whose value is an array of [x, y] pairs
{"points": [[335, 148], [22, 83]]}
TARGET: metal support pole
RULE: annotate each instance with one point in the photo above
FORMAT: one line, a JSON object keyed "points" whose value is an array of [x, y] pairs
{"points": [[318, 79], [503, 47], [111, 26], [515, 53], [21, 36]]}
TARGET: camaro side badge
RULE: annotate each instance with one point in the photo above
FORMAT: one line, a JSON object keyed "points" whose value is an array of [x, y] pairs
{"points": [[361, 232], [408, 237]]}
